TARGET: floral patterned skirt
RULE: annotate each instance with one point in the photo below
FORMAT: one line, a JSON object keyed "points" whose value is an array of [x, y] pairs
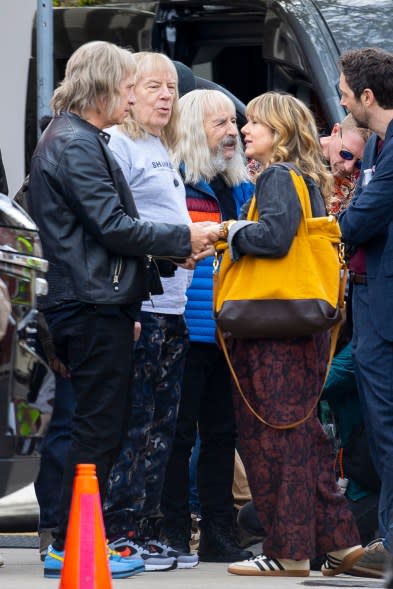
{"points": [[290, 472]]}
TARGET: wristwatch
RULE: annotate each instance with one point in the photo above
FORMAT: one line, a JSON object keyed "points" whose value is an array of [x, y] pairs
{"points": [[224, 228]]}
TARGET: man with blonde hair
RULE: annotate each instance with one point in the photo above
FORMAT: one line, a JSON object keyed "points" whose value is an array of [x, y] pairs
{"points": [[343, 150], [211, 161], [344, 147], [98, 268], [132, 505]]}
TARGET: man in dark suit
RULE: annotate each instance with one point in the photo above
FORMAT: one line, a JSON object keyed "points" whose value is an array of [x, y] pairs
{"points": [[366, 84]]}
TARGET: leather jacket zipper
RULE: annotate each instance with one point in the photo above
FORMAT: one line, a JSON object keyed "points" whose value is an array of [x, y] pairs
{"points": [[150, 261], [116, 274]]}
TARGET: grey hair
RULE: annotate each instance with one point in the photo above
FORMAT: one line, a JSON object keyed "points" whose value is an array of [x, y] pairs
{"points": [[192, 147], [147, 63], [93, 73]]}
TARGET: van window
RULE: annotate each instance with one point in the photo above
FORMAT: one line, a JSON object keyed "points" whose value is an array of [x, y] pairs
{"points": [[247, 47], [359, 23]]}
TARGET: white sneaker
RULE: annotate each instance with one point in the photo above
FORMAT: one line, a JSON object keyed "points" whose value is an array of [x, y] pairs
{"points": [[262, 565]]}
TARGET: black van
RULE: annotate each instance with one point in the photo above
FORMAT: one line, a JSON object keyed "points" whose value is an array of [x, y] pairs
{"points": [[25, 401], [246, 46]]}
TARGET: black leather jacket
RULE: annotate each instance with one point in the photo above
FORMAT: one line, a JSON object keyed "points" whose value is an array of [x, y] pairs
{"points": [[88, 222]]}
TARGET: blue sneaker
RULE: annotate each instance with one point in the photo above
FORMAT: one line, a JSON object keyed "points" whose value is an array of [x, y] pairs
{"points": [[119, 565], [120, 568], [129, 548]]}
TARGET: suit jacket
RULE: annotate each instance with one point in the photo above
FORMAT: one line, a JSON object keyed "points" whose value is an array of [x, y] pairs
{"points": [[368, 222]]}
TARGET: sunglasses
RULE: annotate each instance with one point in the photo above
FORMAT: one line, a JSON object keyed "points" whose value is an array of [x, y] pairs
{"points": [[348, 155]]}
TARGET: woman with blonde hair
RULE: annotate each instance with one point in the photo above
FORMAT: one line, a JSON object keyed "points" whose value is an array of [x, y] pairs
{"points": [[290, 471]]}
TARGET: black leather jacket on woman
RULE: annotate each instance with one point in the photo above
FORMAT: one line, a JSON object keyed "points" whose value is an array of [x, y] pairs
{"points": [[88, 222]]}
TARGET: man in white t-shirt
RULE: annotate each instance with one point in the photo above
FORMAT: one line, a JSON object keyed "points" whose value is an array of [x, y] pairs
{"points": [[132, 508]]}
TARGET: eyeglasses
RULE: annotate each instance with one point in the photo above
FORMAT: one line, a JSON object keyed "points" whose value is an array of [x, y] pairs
{"points": [[348, 155]]}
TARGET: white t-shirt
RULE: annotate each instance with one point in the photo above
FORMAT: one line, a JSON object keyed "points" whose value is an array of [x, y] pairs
{"points": [[159, 194]]}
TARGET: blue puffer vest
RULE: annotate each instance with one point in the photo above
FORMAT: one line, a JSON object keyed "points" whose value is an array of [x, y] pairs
{"points": [[198, 313]]}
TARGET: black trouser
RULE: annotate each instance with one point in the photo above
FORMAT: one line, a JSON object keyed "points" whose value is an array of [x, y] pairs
{"points": [[97, 345], [365, 511], [206, 403]]}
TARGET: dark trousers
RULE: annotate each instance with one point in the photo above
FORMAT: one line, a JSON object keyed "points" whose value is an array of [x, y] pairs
{"points": [[206, 404], [54, 451], [136, 480], [373, 359], [365, 511], [97, 345]]}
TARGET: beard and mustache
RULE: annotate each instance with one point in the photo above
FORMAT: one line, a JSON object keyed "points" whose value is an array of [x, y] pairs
{"points": [[219, 161]]}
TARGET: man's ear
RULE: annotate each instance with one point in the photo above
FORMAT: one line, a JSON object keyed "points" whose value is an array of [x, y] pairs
{"points": [[367, 97], [335, 129]]}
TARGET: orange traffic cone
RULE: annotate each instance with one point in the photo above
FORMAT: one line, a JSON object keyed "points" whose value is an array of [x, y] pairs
{"points": [[85, 561]]}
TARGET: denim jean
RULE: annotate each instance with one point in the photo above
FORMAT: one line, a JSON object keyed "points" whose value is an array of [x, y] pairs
{"points": [[54, 450], [135, 485]]}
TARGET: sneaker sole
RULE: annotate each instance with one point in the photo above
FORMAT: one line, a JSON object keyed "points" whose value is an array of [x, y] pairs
{"points": [[55, 574], [187, 565], [258, 573], [346, 565], [160, 568], [130, 573], [358, 571], [52, 574]]}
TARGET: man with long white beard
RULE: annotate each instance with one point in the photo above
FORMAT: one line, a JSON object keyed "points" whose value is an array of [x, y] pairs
{"points": [[210, 159]]}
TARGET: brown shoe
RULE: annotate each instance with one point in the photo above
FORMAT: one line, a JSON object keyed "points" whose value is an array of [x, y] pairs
{"points": [[335, 566], [373, 562]]}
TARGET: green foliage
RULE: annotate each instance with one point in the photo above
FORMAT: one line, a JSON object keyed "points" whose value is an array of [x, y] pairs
{"points": [[63, 3]]}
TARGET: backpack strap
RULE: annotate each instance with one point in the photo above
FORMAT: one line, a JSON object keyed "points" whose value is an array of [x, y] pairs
{"points": [[333, 342]]}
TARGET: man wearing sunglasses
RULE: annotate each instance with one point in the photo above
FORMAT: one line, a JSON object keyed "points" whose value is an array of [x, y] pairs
{"points": [[344, 147], [366, 84], [343, 150]]}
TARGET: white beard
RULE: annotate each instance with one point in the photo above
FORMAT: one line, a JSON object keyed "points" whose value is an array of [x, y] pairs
{"points": [[219, 163]]}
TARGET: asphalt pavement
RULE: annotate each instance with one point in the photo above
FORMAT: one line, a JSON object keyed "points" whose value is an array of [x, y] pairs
{"points": [[23, 569]]}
